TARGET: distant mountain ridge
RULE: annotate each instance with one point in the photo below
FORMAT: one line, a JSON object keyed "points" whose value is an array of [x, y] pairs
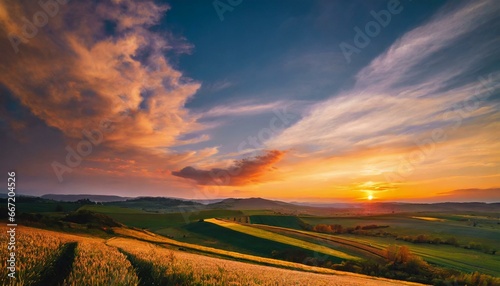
{"points": [[250, 203], [159, 201], [275, 205], [113, 198], [94, 198]]}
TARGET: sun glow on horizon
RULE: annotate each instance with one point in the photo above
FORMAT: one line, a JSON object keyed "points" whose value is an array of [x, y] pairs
{"points": [[370, 197]]}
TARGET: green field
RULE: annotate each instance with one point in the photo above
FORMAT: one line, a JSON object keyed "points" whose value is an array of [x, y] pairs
{"points": [[442, 255], [156, 221], [213, 235], [346, 246], [259, 233], [245, 239], [276, 220], [44, 207], [487, 231], [110, 209]]}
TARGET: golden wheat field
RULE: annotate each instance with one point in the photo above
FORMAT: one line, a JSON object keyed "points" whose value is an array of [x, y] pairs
{"points": [[35, 250], [151, 237], [98, 264], [128, 261], [215, 271]]}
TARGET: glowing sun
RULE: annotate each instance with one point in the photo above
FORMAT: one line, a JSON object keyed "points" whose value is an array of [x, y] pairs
{"points": [[370, 197]]}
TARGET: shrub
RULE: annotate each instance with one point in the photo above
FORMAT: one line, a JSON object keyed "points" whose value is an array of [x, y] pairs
{"points": [[452, 241], [397, 254]]}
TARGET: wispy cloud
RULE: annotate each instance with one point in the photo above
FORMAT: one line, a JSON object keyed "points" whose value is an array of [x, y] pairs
{"points": [[397, 96], [427, 80], [117, 61], [242, 109], [218, 86]]}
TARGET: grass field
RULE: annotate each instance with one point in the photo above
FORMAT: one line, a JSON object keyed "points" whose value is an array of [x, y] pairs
{"points": [[151, 237], [254, 236], [111, 209], [275, 220], [45, 207], [229, 236], [89, 268], [249, 230], [156, 221], [213, 235], [487, 231], [442, 255], [142, 258], [36, 251], [428, 218], [336, 242], [202, 270]]}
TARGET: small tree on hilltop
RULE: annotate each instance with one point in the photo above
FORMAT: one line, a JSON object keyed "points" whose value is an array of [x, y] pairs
{"points": [[398, 254]]}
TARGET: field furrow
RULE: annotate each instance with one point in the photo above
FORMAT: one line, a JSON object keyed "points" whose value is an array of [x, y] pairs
{"points": [[159, 263]]}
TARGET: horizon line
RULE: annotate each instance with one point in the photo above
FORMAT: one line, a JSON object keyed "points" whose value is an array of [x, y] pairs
{"points": [[273, 199]]}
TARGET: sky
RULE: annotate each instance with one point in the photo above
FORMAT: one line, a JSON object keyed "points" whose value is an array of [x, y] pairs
{"points": [[319, 101]]}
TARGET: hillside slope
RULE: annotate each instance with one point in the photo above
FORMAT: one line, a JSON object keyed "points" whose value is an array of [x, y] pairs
{"points": [[144, 258]]}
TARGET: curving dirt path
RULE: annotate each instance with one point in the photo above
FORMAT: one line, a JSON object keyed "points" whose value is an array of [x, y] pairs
{"points": [[366, 248]]}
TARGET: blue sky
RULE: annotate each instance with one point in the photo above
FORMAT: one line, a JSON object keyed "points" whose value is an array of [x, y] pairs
{"points": [[266, 51], [260, 100]]}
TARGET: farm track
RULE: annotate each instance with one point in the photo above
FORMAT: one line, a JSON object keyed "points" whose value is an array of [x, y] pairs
{"points": [[372, 250], [60, 269], [143, 269], [77, 261], [183, 268], [457, 264]]}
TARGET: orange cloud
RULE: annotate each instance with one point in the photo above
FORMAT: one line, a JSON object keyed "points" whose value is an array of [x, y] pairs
{"points": [[242, 172], [73, 75], [491, 194]]}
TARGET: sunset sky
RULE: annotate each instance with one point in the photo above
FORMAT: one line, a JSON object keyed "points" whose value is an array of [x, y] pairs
{"points": [[330, 101]]}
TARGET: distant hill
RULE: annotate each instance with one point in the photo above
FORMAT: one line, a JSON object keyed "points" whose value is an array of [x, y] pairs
{"points": [[436, 207], [358, 208], [326, 205], [94, 198], [208, 201], [161, 200], [166, 204], [251, 204], [90, 218], [278, 207], [158, 204]]}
